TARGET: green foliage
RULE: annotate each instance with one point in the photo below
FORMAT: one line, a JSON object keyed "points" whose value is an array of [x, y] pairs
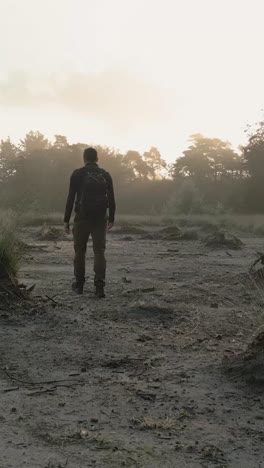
{"points": [[215, 170], [34, 141], [156, 164], [208, 158], [185, 199], [37, 173], [254, 165], [209, 176]]}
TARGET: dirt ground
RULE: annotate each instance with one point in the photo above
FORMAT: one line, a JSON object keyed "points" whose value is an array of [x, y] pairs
{"points": [[134, 380]]}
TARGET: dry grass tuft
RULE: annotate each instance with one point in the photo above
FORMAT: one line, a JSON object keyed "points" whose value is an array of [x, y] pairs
{"points": [[249, 364], [49, 233], [149, 423], [250, 224], [221, 240], [9, 250]]}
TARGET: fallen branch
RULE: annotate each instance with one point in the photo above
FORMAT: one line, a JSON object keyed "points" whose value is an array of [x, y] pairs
{"points": [[47, 382], [12, 389], [52, 300], [259, 260], [141, 290], [39, 392], [54, 388]]}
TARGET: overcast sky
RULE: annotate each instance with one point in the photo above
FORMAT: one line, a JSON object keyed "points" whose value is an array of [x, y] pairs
{"points": [[131, 73]]}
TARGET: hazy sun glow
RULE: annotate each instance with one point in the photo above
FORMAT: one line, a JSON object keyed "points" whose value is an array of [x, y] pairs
{"points": [[131, 73]]}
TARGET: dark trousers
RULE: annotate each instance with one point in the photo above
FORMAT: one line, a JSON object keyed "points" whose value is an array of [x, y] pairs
{"points": [[81, 231]]}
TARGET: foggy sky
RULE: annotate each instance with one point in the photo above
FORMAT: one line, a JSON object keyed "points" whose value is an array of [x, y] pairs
{"points": [[129, 73], [120, 98]]}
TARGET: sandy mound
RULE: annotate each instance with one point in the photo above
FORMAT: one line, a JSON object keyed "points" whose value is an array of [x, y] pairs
{"points": [[248, 365], [170, 233], [49, 233], [148, 237], [127, 230], [174, 233], [190, 235], [221, 240]]}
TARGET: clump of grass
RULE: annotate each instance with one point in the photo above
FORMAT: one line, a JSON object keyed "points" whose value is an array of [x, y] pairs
{"points": [[50, 233], [31, 218], [222, 240], [213, 453], [247, 365], [149, 423], [248, 224], [9, 251]]}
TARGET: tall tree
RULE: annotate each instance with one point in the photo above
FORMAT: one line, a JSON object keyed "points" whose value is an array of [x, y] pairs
{"points": [[60, 142], [34, 141], [208, 158], [156, 164], [135, 162], [254, 159], [194, 163], [212, 165], [8, 155]]}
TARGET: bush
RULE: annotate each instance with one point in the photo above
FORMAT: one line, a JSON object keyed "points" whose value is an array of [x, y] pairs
{"points": [[9, 251], [185, 200]]}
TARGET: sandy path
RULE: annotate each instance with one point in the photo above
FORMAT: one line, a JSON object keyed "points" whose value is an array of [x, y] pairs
{"points": [[138, 378]]}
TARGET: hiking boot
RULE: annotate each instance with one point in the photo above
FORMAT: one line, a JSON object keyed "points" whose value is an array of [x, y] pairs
{"points": [[99, 292], [77, 288]]}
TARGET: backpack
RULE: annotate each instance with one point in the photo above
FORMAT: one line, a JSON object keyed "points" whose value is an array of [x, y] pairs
{"points": [[94, 200]]}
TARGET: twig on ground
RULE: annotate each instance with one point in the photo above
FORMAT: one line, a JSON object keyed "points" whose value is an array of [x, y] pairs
{"points": [[13, 389], [48, 382], [194, 329], [39, 392], [259, 260], [52, 300], [140, 290]]}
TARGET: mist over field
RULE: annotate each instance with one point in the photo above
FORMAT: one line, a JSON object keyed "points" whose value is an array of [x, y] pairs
{"points": [[208, 177]]}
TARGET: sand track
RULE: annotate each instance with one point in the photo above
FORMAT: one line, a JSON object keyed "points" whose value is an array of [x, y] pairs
{"points": [[134, 380]]}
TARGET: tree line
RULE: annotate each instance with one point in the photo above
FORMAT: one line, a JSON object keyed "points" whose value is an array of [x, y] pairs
{"points": [[209, 175]]}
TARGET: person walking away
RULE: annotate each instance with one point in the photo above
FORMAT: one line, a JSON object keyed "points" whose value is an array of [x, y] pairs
{"points": [[91, 188]]}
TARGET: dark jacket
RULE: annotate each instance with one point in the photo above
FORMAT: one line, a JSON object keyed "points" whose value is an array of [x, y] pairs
{"points": [[75, 191]]}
